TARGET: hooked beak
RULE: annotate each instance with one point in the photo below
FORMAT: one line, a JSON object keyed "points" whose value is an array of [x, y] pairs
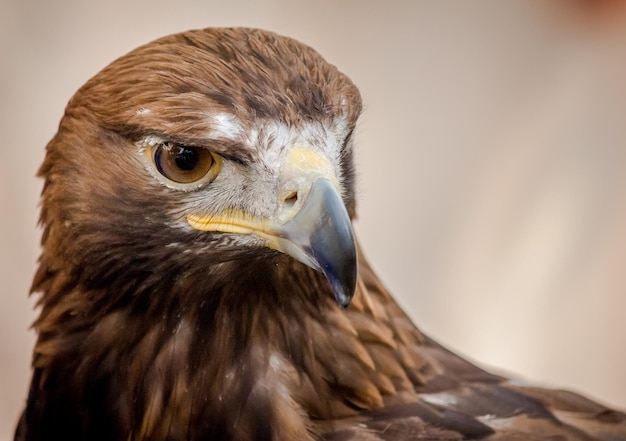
{"points": [[320, 236], [316, 230]]}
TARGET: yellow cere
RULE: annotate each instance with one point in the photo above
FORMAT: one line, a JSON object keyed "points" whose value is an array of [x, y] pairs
{"points": [[306, 161]]}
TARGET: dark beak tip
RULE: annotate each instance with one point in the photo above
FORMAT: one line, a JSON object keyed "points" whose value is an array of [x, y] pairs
{"points": [[343, 300], [344, 288]]}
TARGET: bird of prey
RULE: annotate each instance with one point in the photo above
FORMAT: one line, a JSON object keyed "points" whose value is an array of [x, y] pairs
{"points": [[200, 280]]}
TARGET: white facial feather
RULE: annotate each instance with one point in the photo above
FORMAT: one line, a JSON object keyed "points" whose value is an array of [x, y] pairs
{"points": [[271, 139], [225, 125]]}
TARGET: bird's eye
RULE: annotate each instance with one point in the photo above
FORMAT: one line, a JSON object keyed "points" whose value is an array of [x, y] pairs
{"points": [[182, 164]]}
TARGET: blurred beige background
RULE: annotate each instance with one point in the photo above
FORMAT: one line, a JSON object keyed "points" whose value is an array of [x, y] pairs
{"points": [[492, 160]]}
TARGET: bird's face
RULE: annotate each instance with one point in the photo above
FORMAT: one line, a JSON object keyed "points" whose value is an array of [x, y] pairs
{"points": [[283, 194], [204, 148]]}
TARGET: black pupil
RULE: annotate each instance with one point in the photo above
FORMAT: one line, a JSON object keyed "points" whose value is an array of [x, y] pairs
{"points": [[186, 158]]}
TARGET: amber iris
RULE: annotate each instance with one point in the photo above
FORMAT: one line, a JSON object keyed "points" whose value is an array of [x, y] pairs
{"points": [[182, 164]]}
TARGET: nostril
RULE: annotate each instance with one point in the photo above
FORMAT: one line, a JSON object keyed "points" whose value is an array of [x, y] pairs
{"points": [[291, 199]]}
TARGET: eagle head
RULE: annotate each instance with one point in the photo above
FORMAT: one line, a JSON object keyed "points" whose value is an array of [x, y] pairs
{"points": [[198, 152]]}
